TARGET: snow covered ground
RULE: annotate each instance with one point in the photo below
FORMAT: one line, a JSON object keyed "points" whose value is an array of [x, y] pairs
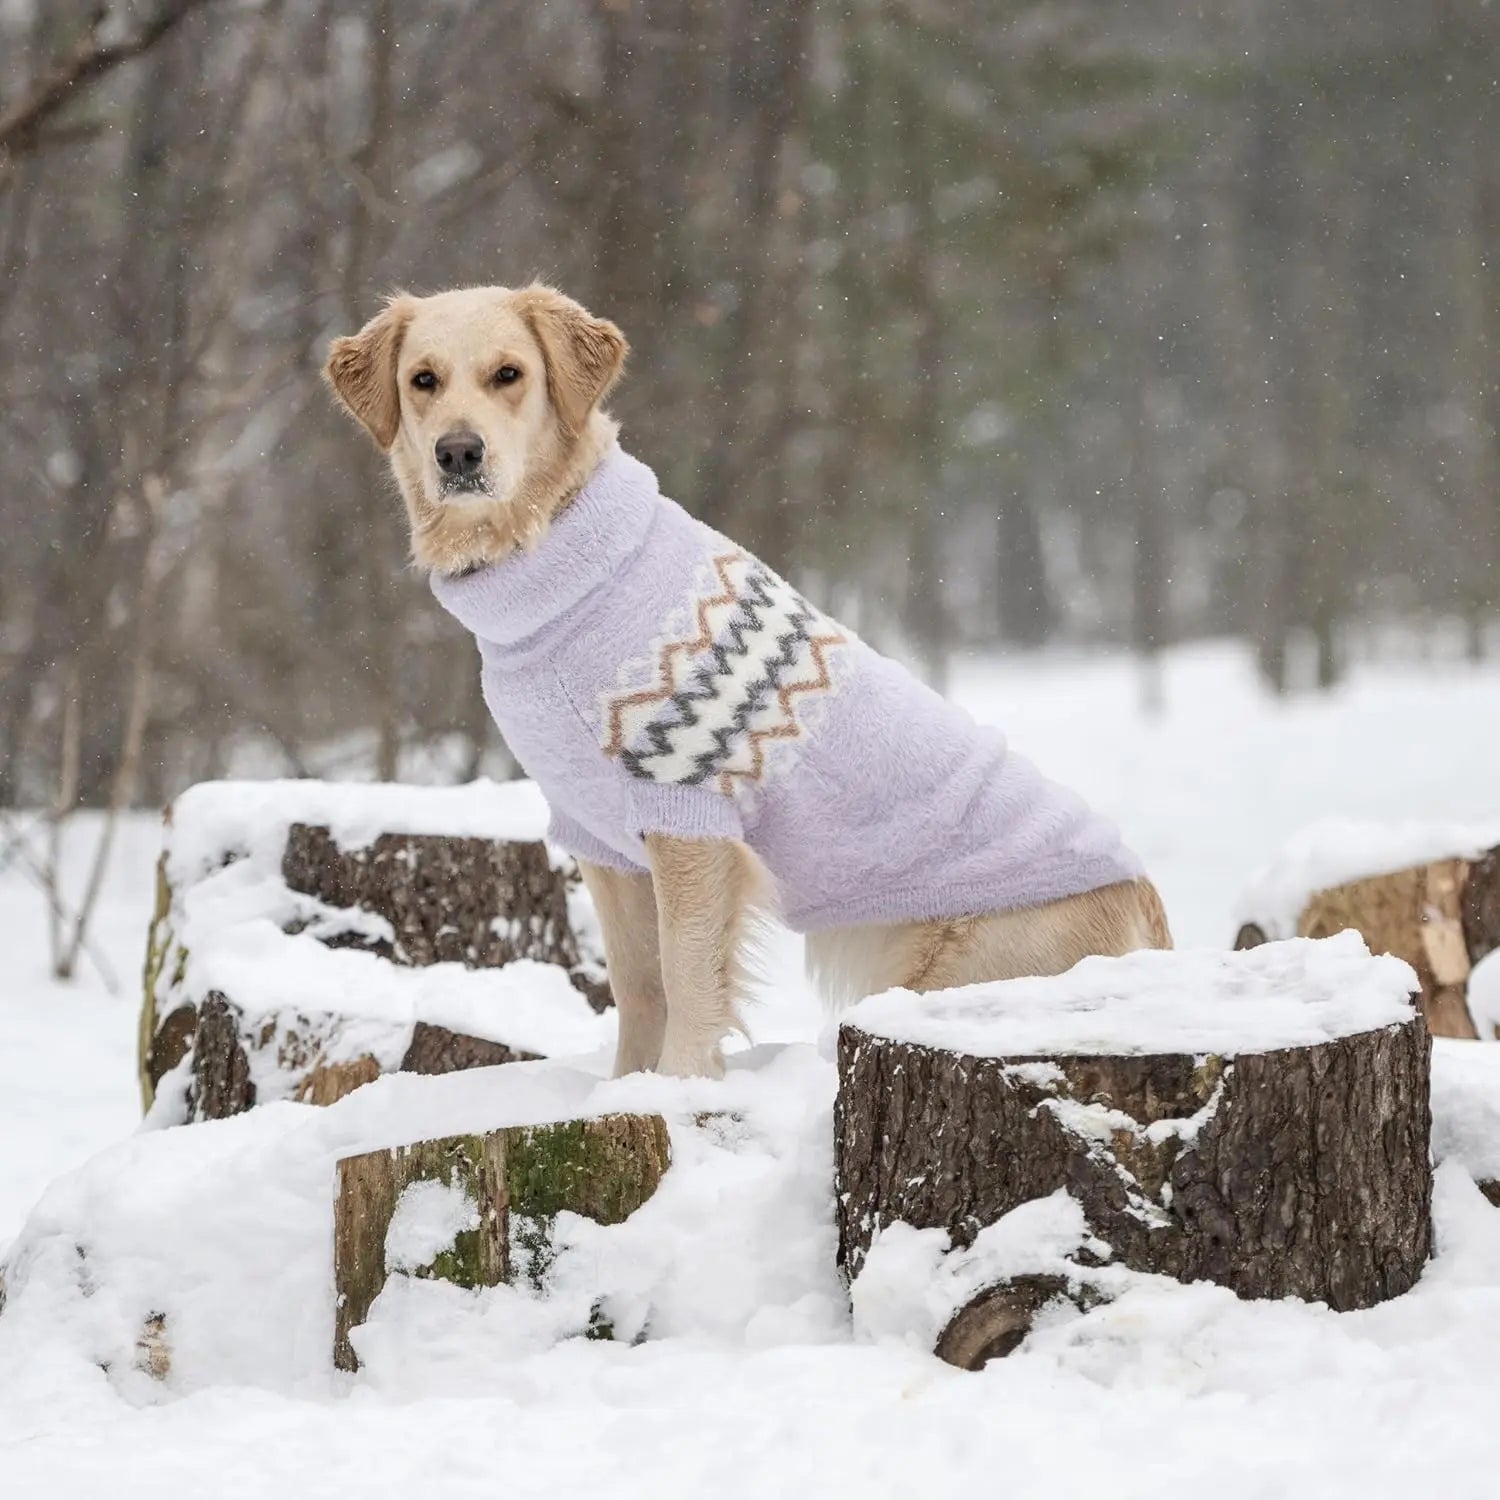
{"points": [[751, 1383]]}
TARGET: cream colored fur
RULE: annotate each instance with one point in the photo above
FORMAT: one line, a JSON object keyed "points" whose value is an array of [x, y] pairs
{"points": [[852, 962], [543, 433], [632, 951], [674, 940]]}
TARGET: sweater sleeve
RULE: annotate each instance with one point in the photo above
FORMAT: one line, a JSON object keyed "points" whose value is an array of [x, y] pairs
{"points": [[581, 844], [680, 811]]}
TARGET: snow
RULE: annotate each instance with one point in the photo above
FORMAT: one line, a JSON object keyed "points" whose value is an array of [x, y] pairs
{"points": [[225, 1230], [1483, 995], [912, 1282], [429, 1216], [1466, 1107], [231, 906], [1289, 994], [754, 1379], [252, 817], [1333, 851]]}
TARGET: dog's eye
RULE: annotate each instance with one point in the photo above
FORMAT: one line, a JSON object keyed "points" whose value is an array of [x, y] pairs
{"points": [[507, 375], [424, 380]]}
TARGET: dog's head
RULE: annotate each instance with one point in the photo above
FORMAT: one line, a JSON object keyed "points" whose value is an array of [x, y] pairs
{"points": [[486, 401]]}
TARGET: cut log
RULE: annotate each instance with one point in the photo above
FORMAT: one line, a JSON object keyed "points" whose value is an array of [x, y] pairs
{"points": [[330, 1082], [1442, 917], [1416, 914], [508, 1187], [410, 899], [1259, 1120], [475, 902], [435, 1049], [221, 1067], [303, 1052], [1481, 906], [997, 1321]]}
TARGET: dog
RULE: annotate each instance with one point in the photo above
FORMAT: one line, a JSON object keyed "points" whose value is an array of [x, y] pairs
{"points": [[712, 745]]}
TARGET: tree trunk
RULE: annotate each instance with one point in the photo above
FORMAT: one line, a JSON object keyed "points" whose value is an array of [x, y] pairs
{"points": [[1026, 612], [516, 1181], [1301, 1171], [1442, 918]]}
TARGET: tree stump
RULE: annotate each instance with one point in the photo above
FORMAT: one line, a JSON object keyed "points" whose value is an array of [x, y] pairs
{"points": [[477, 902], [1260, 1120], [410, 899], [1441, 917], [478, 1209]]}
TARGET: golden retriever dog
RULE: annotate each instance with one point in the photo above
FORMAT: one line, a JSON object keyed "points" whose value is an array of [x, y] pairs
{"points": [[712, 745]]}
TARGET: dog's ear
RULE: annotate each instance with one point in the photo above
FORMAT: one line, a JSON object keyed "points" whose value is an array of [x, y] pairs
{"points": [[362, 370], [584, 354]]}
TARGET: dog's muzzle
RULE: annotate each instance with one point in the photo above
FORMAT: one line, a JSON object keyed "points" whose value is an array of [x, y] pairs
{"points": [[460, 460]]}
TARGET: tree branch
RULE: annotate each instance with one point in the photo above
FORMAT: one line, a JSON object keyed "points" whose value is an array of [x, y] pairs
{"points": [[91, 59]]}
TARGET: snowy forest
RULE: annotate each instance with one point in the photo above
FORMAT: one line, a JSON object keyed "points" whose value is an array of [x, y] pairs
{"points": [[1002, 325], [765, 1075]]}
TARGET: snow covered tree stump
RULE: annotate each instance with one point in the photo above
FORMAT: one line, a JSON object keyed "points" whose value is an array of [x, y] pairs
{"points": [[1257, 1119], [1430, 896], [294, 922], [476, 1210]]}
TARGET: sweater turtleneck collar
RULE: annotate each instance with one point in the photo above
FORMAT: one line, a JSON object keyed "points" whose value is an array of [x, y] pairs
{"points": [[587, 543]]}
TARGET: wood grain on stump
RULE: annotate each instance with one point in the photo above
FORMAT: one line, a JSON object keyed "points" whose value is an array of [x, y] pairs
{"points": [[996, 1322], [1301, 1171], [518, 1179], [1441, 918]]}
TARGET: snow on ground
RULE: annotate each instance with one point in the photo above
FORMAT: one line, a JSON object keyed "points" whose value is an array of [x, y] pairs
{"points": [[751, 1383]]}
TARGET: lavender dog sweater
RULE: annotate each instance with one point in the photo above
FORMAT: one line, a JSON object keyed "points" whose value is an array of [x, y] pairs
{"points": [[655, 678]]}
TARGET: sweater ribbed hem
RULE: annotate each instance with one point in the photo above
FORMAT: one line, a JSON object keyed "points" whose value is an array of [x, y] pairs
{"points": [[685, 812], [958, 899], [576, 840]]}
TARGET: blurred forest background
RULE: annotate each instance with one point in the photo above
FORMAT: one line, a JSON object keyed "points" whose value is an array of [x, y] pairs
{"points": [[996, 324]]}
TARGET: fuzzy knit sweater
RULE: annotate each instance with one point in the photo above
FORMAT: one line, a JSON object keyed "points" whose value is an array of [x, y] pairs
{"points": [[655, 678]]}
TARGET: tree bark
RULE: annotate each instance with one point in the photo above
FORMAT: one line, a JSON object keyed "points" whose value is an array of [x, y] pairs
{"points": [[518, 1180], [1298, 1172], [221, 1066], [449, 900]]}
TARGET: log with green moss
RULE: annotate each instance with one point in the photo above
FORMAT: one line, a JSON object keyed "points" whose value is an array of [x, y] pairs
{"points": [[517, 1180]]}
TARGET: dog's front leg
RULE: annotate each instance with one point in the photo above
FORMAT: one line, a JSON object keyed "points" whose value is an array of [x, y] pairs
{"points": [[627, 916], [703, 897]]}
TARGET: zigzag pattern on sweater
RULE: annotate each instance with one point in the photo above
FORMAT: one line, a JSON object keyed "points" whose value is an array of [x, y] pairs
{"points": [[731, 690]]}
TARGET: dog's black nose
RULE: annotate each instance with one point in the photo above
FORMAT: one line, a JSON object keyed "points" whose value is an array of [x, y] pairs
{"points": [[459, 454]]}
